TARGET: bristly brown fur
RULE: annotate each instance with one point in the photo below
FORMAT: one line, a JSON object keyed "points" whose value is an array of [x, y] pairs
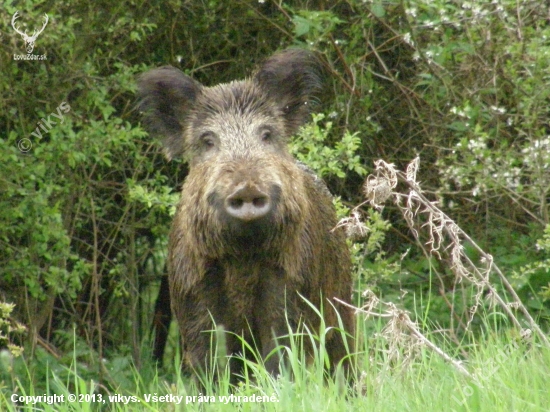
{"points": [[247, 274]]}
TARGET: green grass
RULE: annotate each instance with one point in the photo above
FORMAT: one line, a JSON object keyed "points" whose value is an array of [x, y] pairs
{"points": [[510, 376]]}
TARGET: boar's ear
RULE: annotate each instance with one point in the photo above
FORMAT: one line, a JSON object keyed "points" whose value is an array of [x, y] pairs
{"points": [[290, 78], [166, 96]]}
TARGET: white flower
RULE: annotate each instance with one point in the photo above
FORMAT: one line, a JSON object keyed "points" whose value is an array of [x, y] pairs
{"points": [[411, 12], [499, 110], [407, 39]]}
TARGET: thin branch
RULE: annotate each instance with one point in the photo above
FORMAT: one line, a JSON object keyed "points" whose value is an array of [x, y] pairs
{"points": [[403, 319], [444, 237]]}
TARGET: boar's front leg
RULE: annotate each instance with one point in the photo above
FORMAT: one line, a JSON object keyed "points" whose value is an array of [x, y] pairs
{"points": [[199, 311], [276, 314]]}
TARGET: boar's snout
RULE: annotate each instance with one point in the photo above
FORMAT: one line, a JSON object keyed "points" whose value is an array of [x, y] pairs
{"points": [[248, 203]]}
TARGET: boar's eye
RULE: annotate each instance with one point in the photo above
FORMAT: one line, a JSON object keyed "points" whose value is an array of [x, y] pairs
{"points": [[208, 140], [266, 135]]}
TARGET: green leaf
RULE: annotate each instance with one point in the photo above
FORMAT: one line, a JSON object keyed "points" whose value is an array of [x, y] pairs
{"points": [[378, 9]]}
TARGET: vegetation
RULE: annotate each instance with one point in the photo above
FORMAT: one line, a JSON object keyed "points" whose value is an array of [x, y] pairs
{"points": [[506, 374], [450, 232]]}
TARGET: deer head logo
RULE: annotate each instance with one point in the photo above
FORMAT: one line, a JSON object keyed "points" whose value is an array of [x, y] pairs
{"points": [[29, 40]]}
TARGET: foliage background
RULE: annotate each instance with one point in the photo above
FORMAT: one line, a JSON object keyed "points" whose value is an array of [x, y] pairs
{"points": [[84, 214]]}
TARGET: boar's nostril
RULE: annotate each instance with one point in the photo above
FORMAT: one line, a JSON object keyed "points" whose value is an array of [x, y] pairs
{"points": [[247, 204], [259, 201], [235, 203]]}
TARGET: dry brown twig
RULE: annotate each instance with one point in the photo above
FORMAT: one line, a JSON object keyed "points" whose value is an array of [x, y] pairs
{"points": [[394, 331], [443, 235]]}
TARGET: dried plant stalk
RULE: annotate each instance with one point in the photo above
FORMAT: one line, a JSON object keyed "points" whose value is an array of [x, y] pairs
{"points": [[443, 234], [400, 320]]}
